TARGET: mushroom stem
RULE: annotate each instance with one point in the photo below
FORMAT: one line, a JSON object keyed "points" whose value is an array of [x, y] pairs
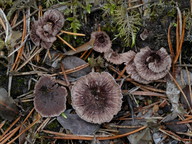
{"points": [[71, 33], [66, 43]]}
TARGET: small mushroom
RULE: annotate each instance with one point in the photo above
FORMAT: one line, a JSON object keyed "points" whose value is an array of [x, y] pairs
{"points": [[96, 97], [117, 58], [44, 31], [50, 99], [152, 65], [102, 41], [54, 21], [131, 69]]}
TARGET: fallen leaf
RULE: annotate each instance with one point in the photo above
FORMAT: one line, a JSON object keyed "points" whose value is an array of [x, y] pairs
{"points": [[8, 109], [76, 125]]}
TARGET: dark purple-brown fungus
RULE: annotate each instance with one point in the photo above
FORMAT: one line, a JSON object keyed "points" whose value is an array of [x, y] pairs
{"points": [[44, 31], [50, 99], [96, 97], [102, 41]]}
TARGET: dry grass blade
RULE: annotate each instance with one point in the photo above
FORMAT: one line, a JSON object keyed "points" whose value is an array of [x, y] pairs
{"points": [[181, 39], [40, 12], [35, 53], [8, 29], [71, 33], [66, 43], [2, 124], [171, 134], [6, 131], [179, 87], [75, 137], [9, 135], [169, 42], [43, 124], [148, 93], [64, 74], [73, 69], [38, 118], [17, 60], [91, 50], [121, 73], [84, 53]]}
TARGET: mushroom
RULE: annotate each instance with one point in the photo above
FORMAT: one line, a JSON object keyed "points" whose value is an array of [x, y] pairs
{"points": [[102, 41], [54, 21], [131, 69], [96, 97], [152, 65], [50, 99], [116, 58], [44, 31]]}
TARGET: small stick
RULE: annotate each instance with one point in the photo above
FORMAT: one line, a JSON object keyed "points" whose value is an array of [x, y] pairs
{"points": [[121, 73], [2, 124], [64, 74], [179, 87], [171, 134], [5, 132], [75, 137], [21, 49], [14, 19], [40, 12], [38, 118], [73, 69], [88, 54], [181, 41], [66, 43], [169, 42], [71, 33], [9, 135], [38, 51], [83, 54]]}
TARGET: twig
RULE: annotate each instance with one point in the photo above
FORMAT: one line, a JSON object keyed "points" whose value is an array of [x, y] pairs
{"points": [[171, 134], [178, 86], [75, 137], [83, 54], [66, 43], [91, 50], [71, 33], [38, 118], [73, 69], [38, 51], [121, 73], [5, 132], [181, 41], [64, 74], [2, 124], [21, 49], [169, 42]]}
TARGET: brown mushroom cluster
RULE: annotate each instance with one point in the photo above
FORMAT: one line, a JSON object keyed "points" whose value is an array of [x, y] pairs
{"points": [[102, 41], [148, 65], [96, 97], [102, 44], [50, 99], [44, 31]]}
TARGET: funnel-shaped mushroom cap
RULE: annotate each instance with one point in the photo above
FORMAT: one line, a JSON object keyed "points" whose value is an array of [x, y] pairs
{"points": [[131, 69], [54, 21], [102, 41], [152, 65], [117, 59], [44, 30], [96, 97], [50, 99]]}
